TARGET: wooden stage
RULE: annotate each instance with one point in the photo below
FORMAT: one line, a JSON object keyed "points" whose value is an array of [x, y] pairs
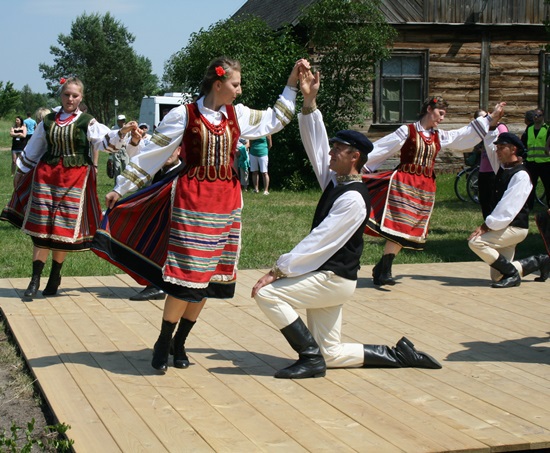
{"points": [[90, 349]]}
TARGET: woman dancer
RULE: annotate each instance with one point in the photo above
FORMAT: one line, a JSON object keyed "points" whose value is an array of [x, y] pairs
{"points": [[55, 199], [403, 199], [183, 234]]}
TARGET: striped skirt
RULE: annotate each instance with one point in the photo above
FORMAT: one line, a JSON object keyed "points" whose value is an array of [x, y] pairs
{"points": [[180, 234], [401, 207], [57, 206]]}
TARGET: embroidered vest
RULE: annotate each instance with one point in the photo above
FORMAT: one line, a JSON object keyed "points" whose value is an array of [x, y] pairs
{"points": [[68, 142], [536, 146], [209, 149], [418, 153], [502, 179], [345, 262]]}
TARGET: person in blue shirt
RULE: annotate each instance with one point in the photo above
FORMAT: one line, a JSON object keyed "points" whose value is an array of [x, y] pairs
{"points": [[31, 124]]}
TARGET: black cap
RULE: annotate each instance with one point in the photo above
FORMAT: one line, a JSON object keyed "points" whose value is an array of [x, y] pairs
{"points": [[507, 138], [355, 139]]}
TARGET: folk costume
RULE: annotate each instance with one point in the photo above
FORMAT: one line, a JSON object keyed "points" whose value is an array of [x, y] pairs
{"points": [[56, 202], [320, 273], [508, 222], [403, 199], [183, 235]]}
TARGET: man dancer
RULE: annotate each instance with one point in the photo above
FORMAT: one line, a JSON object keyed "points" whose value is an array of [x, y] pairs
{"points": [[320, 273]]}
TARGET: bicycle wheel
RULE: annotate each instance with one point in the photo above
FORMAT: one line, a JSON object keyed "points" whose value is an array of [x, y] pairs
{"points": [[460, 185], [472, 187], [540, 194]]}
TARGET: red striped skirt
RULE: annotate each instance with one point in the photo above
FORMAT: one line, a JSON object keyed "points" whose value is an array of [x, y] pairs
{"points": [[401, 207], [181, 235], [57, 206]]}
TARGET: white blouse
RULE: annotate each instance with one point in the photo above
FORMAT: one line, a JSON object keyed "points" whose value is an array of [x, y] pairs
{"points": [[100, 137], [169, 134]]}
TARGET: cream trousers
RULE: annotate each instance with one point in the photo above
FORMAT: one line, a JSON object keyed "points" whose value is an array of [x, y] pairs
{"points": [[322, 295], [489, 245]]}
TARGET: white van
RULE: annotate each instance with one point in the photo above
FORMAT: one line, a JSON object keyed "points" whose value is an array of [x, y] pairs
{"points": [[153, 108]]}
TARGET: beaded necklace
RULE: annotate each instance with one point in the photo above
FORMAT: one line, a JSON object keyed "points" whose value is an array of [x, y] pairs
{"points": [[64, 122]]}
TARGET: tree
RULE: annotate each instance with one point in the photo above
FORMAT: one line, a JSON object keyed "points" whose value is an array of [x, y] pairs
{"points": [[98, 51], [30, 102], [9, 97], [350, 38]]}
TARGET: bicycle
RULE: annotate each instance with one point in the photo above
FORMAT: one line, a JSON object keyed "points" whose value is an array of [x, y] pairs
{"points": [[466, 185]]}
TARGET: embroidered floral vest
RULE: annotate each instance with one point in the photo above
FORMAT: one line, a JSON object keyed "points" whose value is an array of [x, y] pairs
{"points": [[418, 153], [209, 149], [68, 142]]}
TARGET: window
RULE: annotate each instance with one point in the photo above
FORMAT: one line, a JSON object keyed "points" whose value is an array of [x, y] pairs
{"points": [[402, 87]]}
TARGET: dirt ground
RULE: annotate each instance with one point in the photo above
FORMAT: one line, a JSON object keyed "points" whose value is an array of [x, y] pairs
{"points": [[19, 400]]}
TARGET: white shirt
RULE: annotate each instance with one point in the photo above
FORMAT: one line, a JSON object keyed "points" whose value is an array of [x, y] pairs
{"points": [[514, 197], [100, 137], [345, 216], [169, 133], [464, 138]]}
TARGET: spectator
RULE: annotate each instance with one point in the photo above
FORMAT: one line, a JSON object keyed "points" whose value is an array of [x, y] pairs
{"points": [[118, 160], [259, 159], [243, 163], [18, 133], [31, 124]]}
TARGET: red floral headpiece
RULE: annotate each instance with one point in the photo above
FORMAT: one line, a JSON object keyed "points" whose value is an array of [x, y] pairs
{"points": [[62, 80], [220, 72]]}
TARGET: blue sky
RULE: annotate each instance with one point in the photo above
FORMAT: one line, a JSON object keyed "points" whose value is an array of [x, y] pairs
{"points": [[161, 28]]}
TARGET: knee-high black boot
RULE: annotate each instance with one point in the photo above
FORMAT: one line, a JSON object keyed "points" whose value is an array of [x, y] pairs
{"points": [[381, 273], [310, 361], [403, 355], [32, 289], [177, 348], [161, 350], [510, 275], [536, 263], [55, 279]]}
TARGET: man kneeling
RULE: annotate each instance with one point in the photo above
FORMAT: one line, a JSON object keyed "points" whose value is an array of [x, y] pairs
{"points": [[320, 273]]}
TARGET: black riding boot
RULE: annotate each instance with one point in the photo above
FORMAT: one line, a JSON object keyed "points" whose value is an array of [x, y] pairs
{"points": [[381, 273], [55, 279], [161, 350], [310, 361], [403, 355], [177, 348], [32, 289], [510, 275], [543, 267]]}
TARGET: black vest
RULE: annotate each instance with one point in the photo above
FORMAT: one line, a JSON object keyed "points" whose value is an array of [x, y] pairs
{"points": [[345, 262], [502, 180]]}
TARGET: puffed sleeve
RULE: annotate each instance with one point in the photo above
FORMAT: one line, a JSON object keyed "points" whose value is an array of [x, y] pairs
{"points": [[145, 163]]}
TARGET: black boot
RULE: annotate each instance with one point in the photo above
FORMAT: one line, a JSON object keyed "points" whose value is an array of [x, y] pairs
{"points": [[404, 355], [310, 361], [161, 349], [55, 279], [381, 273], [32, 289], [544, 268], [510, 275], [177, 347]]}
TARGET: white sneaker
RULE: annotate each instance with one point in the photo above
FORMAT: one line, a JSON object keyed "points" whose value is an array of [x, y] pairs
{"points": [[266, 193]]}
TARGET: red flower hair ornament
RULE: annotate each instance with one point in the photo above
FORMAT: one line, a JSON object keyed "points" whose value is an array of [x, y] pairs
{"points": [[220, 72], [62, 80]]}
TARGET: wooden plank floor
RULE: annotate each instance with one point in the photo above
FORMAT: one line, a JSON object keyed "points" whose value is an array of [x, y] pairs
{"points": [[90, 349]]}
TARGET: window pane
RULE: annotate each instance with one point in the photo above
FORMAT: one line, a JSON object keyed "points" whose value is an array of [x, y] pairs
{"points": [[411, 109], [411, 66], [391, 95], [412, 89], [391, 67]]}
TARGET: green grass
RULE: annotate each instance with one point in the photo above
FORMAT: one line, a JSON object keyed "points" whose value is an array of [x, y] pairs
{"points": [[272, 225], [5, 126]]}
